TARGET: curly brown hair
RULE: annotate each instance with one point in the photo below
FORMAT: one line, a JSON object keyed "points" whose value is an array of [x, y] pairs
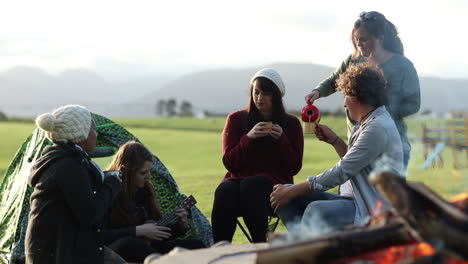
{"points": [[365, 82]]}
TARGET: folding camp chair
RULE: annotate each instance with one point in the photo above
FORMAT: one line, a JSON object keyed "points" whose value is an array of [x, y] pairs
{"points": [[273, 221]]}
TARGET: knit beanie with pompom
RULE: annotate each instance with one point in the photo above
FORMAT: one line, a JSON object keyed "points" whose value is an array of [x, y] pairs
{"points": [[70, 122]]}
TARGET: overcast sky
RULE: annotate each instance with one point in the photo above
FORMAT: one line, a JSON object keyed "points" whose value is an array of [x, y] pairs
{"points": [[126, 39]]}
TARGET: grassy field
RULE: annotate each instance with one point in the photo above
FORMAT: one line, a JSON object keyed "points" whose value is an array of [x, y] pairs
{"points": [[191, 150]]}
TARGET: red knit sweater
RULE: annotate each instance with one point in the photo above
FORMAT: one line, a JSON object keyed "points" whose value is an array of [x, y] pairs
{"points": [[278, 160]]}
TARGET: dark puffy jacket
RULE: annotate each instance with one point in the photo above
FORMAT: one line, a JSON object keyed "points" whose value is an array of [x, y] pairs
{"points": [[68, 206]]}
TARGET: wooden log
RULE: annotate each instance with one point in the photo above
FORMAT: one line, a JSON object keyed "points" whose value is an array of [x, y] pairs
{"points": [[336, 245], [428, 216]]}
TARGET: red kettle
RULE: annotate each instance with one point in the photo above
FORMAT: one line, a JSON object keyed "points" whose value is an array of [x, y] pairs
{"points": [[310, 116]]}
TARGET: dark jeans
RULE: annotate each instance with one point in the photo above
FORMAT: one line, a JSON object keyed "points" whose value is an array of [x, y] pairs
{"points": [[135, 249], [318, 213], [249, 198]]}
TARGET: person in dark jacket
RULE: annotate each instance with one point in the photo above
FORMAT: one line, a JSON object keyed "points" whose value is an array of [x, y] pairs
{"points": [[136, 229], [71, 195], [262, 146]]}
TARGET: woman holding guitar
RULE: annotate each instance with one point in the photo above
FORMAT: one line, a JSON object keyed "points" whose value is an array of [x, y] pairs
{"points": [[137, 227]]}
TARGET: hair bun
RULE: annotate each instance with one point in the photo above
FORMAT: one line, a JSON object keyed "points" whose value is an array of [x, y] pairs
{"points": [[46, 122]]}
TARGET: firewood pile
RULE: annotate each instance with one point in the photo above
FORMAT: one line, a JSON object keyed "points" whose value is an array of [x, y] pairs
{"points": [[421, 228]]}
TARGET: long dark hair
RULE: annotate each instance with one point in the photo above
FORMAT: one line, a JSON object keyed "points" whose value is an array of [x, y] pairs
{"points": [[377, 25], [129, 159], [279, 113]]}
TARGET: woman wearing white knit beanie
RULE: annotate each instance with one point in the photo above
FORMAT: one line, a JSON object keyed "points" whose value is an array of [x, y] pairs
{"points": [[262, 146], [70, 122], [70, 198]]}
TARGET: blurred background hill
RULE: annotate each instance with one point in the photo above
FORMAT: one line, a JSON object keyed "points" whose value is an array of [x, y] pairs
{"points": [[28, 91]]}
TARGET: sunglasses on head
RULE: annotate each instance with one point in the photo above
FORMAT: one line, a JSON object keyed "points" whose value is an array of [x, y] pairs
{"points": [[372, 15]]}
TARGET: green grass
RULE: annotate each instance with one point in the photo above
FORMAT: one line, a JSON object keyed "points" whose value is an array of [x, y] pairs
{"points": [[12, 135], [180, 123], [191, 150]]}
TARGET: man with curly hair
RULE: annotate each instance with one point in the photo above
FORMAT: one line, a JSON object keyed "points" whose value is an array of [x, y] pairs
{"points": [[375, 144]]}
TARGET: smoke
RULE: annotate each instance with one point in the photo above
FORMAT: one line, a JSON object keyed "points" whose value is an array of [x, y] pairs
{"points": [[302, 229], [385, 163], [316, 223]]}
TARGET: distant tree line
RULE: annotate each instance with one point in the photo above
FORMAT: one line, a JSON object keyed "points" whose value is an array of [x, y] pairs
{"points": [[3, 117], [171, 108]]}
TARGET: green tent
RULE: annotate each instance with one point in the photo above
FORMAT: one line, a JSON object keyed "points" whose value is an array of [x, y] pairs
{"points": [[15, 193]]}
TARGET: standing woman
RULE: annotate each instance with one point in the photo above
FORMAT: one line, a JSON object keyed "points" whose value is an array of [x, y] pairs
{"points": [[262, 146], [133, 232], [375, 40], [71, 197]]}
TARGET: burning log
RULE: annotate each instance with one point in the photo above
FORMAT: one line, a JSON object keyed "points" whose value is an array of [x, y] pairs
{"points": [[337, 245], [401, 254], [461, 202], [389, 238], [419, 214], [415, 253], [428, 216]]}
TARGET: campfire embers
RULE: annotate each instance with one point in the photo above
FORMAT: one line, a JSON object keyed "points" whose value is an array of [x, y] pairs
{"points": [[407, 253], [336, 246], [422, 228], [429, 217]]}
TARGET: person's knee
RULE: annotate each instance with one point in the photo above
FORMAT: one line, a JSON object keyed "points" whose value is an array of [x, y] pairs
{"points": [[132, 249], [316, 219], [255, 193], [256, 185], [226, 199], [290, 209], [285, 211], [323, 216], [125, 242], [317, 210], [226, 190], [317, 214], [194, 244], [290, 217]]}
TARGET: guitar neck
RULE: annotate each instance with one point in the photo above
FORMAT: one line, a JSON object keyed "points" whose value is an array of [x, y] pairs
{"points": [[186, 204], [167, 219]]}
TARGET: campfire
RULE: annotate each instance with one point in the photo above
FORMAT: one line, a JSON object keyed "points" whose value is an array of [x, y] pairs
{"points": [[421, 228]]}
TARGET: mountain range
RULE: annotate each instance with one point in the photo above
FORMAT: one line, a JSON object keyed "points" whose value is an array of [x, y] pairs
{"points": [[28, 91]]}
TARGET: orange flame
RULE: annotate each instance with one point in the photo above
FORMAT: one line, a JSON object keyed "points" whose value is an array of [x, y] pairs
{"points": [[461, 202], [407, 252], [398, 254]]}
